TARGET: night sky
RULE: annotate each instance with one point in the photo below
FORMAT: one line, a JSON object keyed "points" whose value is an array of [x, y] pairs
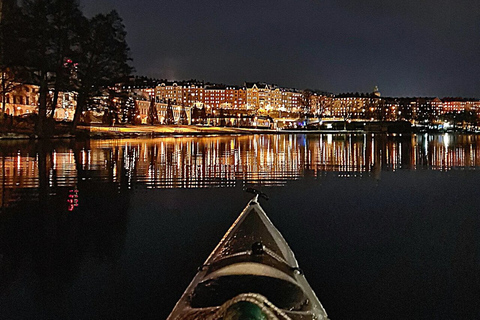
{"points": [[406, 47]]}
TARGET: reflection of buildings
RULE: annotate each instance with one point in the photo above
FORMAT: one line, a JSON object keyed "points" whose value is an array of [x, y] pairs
{"points": [[190, 162], [48, 236]]}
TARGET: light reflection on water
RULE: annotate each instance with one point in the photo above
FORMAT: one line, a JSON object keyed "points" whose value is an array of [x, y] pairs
{"points": [[189, 162]]}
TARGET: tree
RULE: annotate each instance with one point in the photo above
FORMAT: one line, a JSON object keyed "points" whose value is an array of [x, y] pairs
{"points": [[45, 33], [103, 59], [306, 101], [203, 115], [152, 113], [183, 119], [34, 35], [222, 117], [169, 119], [7, 43], [58, 48], [65, 36], [195, 112], [133, 112]]}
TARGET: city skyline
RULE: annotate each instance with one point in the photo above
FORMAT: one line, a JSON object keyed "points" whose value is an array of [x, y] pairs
{"points": [[406, 48]]}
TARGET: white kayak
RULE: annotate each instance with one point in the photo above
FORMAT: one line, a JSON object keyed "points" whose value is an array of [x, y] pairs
{"points": [[251, 274]]}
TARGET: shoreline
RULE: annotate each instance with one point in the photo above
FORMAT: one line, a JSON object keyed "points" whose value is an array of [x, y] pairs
{"points": [[145, 131]]}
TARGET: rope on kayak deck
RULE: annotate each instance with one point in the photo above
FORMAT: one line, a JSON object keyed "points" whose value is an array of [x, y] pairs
{"points": [[268, 308], [217, 313]]}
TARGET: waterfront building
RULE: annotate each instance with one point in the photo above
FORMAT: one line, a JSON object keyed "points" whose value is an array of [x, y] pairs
{"points": [[453, 105], [149, 92], [235, 97], [193, 94], [458, 105], [264, 98], [66, 105], [425, 110], [391, 110], [142, 110], [169, 90], [276, 100], [368, 107], [22, 99], [252, 95], [215, 97], [291, 100], [246, 102], [353, 107], [182, 92], [258, 95]]}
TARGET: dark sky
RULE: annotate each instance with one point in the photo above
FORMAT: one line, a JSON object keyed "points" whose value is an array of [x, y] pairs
{"points": [[406, 47]]}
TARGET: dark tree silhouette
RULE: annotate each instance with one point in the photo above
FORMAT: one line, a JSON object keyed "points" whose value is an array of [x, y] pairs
{"points": [[8, 48], [133, 112], [65, 34], [183, 119], [104, 58], [152, 113], [203, 115], [36, 54], [169, 119], [45, 32], [195, 114], [306, 101]]}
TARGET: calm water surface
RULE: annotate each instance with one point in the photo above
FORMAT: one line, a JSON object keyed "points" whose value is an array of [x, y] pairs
{"points": [[384, 226]]}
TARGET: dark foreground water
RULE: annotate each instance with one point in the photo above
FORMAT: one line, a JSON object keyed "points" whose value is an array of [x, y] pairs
{"points": [[385, 227]]}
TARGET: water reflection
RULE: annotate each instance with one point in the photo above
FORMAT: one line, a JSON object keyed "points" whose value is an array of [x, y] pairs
{"points": [[43, 236], [190, 162]]}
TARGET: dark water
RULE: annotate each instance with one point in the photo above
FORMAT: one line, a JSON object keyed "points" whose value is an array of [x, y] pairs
{"points": [[385, 227]]}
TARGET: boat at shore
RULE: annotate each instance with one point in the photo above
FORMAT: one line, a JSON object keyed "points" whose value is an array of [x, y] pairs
{"points": [[251, 274]]}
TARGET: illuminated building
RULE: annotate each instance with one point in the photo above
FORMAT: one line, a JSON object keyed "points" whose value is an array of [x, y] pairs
{"points": [[21, 100], [66, 105], [287, 105], [291, 100], [169, 90], [148, 92], [215, 97], [457, 105], [235, 97], [188, 93], [258, 95], [193, 94], [353, 107], [276, 100], [252, 96], [425, 109]]}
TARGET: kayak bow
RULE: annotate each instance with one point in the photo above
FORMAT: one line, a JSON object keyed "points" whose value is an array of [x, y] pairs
{"points": [[251, 274]]}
